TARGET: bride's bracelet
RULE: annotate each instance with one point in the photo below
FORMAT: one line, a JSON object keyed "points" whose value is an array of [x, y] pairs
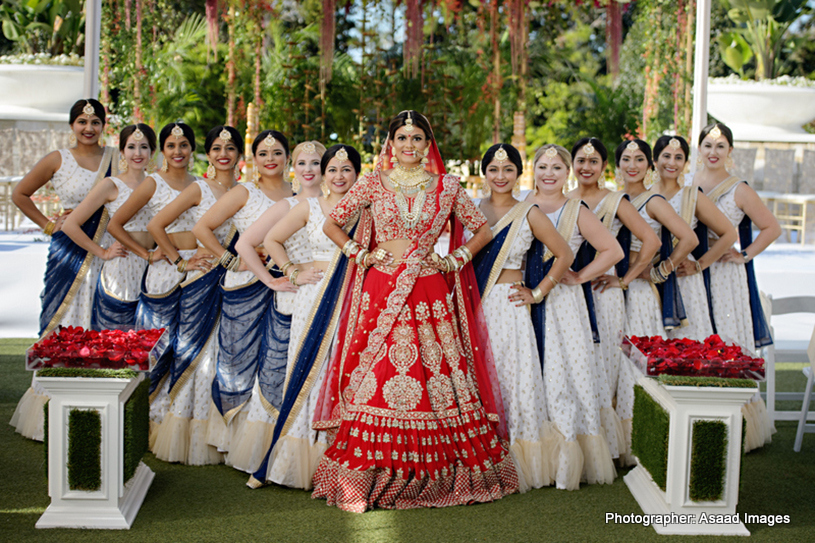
{"points": [[350, 248]]}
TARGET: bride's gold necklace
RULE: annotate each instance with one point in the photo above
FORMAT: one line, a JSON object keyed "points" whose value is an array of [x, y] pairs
{"points": [[410, 181]]}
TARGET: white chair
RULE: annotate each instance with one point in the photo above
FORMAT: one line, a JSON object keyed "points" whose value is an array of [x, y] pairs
{"points": [[809, 371], [785, 306]]}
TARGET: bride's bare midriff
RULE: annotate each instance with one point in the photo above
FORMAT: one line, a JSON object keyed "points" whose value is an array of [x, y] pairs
{"points": [[396, 247], [510, 276]]}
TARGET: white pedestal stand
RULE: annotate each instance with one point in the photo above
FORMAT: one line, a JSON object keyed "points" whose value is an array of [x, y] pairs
{"points": [[687, 405], [114, 505]]}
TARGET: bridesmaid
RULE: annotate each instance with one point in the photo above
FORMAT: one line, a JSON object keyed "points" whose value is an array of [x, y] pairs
{"points": [[181, 436], [71, 272], [117, 291], [671, 155], [293, 458], [577, 394], [254, 436], [160, 285], [737, 312], [245, 299], [514, 224], [643, 314], [590, 159]]}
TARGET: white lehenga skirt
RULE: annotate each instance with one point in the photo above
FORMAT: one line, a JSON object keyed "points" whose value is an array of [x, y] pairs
{"points": [[254, 437], [298, 453], [28, 417], [181, 436], [694, 298], [162, 277], [643, 314], [609, 308], [734, 322], [532, 437], [577, 395], [220, 434]]}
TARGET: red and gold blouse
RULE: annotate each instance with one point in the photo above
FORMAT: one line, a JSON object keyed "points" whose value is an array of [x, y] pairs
{"points": [[368, 191]]}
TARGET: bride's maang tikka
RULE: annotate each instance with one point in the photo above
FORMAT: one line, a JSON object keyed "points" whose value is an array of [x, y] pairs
{"points": [[409, 123]]}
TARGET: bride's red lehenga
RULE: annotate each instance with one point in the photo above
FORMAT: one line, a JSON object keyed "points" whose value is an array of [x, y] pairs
{"points": [[409, 393]]}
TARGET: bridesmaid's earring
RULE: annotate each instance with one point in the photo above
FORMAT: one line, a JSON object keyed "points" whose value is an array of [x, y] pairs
{"points": [[122, 164], [516, 188], [295, 185], [485, 189], [191, 163], [210, 170], [728, 163], [236, 172], [165, 165], [72, 140], [618, 177]]}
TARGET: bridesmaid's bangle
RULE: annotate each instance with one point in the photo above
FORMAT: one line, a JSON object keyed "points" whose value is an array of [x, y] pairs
{"points": [[149, 257], [537, 295], [553, 280], [49, 228], [745, 256], [622, 283]]}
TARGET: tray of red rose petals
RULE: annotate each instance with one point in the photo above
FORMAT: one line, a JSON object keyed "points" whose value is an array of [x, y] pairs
{"points": [[75, 347], [712, 357]]}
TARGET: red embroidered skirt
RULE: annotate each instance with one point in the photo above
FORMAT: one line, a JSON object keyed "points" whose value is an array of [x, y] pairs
{"points": [[415, 433]]}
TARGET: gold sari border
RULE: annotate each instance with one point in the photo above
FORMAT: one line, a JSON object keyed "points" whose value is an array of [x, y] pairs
{"points": [[723, 188], [515, 217], [566, 223], [608, 208]]}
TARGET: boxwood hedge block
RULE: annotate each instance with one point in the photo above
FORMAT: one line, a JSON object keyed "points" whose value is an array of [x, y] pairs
{"points": [[87, 372], [136, 428], [693, 381], [84, 450], [707, 467], [649, 435]]}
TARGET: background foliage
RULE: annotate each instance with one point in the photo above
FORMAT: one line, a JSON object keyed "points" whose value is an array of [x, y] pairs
{"points": [[204, 61]]}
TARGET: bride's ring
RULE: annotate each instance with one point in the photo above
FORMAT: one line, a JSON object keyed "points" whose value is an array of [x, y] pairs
{"points": [[435, 258], [380, 254]]}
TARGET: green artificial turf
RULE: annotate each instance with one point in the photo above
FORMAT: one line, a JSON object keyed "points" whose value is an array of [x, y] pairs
{"points": [[213, 504]]}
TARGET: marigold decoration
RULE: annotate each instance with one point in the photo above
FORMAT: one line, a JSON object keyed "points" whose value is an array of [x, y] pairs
{"points": [[711, 358], [73, 346]]}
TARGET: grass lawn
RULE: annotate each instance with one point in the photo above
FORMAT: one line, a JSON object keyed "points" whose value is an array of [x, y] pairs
{"points": [[213, 504]]}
